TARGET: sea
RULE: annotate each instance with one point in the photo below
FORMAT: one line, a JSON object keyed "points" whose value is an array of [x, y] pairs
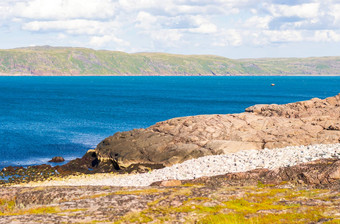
{"points": [[43, 117]]}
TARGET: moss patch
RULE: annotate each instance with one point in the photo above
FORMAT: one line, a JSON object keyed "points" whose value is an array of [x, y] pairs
{"points": [[143, 191], [255, 205]]}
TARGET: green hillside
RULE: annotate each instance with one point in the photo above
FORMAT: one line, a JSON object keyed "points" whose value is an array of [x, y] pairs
{"points": [[82, 61]]}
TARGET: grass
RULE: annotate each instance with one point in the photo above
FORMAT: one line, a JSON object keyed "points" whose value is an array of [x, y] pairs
{"points": [[31, 211], [232, 218], [9, 208], [143, 191], [257, 205], [6, 206]]}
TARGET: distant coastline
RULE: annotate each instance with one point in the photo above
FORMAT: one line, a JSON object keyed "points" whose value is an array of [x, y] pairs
{"points": [[168, 75], [69, 61]]}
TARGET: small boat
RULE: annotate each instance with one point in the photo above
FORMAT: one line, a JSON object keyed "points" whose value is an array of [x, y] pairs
{"points": [[273, 84]]}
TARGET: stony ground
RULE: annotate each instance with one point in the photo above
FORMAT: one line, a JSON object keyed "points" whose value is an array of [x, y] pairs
{"points": [[188, 203], [214, 165], [305, 193]]}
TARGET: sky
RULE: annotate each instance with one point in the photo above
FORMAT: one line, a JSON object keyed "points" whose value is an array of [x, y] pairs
{"points": [[229, 28]]}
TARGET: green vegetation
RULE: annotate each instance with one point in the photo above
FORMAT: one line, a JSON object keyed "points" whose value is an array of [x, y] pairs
{"points": [[82, 61], [255, 205], [9, 208], [182, 204], [147, 191], [6, 206]]}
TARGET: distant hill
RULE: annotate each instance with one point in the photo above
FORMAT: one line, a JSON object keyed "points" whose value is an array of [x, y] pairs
{"points": [[46, 60]]}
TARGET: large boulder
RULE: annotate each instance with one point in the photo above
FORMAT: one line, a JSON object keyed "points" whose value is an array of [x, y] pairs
{"points": [[173, 141]]}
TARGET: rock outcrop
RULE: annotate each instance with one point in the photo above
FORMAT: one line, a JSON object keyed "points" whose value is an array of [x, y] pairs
{"points": [[173, 141], [57, 159], [284, 195], [323, 173]]}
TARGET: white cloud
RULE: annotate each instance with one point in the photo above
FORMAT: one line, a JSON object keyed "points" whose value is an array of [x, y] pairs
{"points": [[133, 5], [335, 12], [78, 26], [168, 37], [146, 21], [283, 35], [293, 36], [203, 25], [204, 28], [229, 37], [257, 22], [99, 41], [64, 9], [61, 36], [309, 10], [326, 36], [184, 7], [185, 23], [173, 24]]}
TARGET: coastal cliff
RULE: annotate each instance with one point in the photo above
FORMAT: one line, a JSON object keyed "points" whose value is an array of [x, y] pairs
{"points": [[315, 121]]}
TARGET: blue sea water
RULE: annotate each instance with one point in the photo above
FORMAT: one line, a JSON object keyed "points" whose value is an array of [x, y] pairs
{"points": [[43, 117]]}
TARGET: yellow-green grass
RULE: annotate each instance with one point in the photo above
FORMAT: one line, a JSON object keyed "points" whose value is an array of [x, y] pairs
{"points": [[265, 205]]}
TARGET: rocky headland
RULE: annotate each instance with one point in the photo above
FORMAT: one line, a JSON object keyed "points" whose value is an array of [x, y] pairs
{"points": [[316, 121]]}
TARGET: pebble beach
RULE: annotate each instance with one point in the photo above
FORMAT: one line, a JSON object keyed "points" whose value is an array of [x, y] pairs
{"points": [[206, 166]]}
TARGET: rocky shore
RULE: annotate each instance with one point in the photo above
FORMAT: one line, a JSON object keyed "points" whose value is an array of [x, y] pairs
{"points": [[272, 163], [166, 143], [304, 193], [177, 140], [207, 166]]}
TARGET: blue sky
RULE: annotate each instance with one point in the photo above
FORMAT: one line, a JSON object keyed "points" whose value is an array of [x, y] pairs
{"points": [[230, 28]]}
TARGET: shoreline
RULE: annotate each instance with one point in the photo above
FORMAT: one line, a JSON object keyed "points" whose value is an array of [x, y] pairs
{"points": [[207, 166], [205, 141], [208, 140], [298, 194]]}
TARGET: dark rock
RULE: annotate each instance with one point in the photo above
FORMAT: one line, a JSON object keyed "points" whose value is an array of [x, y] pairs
{"points": [[42, 167], [89, 163], [11, 175], [57, 159], [79, 165]]}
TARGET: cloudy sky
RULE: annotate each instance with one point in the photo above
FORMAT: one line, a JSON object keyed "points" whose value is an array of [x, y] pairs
{"points": [[230, 28]]}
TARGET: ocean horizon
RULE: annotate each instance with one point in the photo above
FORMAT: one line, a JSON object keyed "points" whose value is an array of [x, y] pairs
{"points": [[43, 117]]}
